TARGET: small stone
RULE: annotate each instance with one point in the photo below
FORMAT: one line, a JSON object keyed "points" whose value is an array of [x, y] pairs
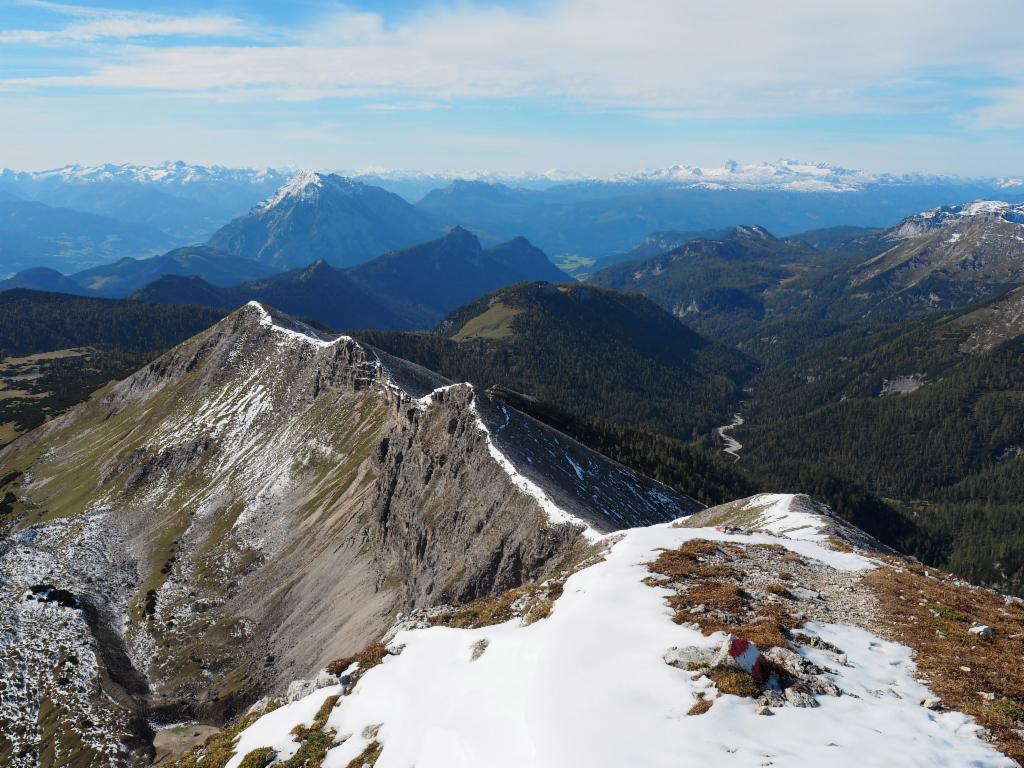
{"points": [[987, 695], [805, 594], [478, 648], [932, 704], [299, 689], [823, 687], [324, 679], [797, 696], [771, 698], [965, 669], [395, 649], [764, 710], [981, 630]]}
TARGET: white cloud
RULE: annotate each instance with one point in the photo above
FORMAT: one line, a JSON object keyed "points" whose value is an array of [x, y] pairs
{"points": [[666, 58]]}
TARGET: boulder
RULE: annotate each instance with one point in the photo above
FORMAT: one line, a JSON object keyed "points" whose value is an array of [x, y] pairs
{"points": [[300, 689], [324, 679], [689, 657], [797, 696]]}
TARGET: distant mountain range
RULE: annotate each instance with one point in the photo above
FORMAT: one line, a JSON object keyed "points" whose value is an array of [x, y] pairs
{"points": [[567, 215], [128, 275], [594, 219], [411, 288], [185, 202]]}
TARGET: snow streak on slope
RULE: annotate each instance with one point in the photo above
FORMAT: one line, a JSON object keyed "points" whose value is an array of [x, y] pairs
{"points": [[779, 513], [588, 686], [554, 512]]}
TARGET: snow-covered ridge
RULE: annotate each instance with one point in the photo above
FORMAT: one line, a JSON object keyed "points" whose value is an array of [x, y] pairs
{"points": [[553, 175], [592, 685], [784, 174], [298, 331], [942, 216], [167, 173]]}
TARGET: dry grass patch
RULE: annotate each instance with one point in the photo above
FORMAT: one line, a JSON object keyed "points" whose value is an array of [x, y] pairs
{"points": [[779, 589], [368, 658], [701, 705], [932, 616], [368, 757], [531, 602], [690, 561], [699, 572], [724, 596], [735, 682]]}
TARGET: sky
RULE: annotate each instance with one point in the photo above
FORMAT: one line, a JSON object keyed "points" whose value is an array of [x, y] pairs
{"points": [[594, 87]]}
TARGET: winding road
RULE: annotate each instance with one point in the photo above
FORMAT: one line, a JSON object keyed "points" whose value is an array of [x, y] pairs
{"points": [[731, 446]]}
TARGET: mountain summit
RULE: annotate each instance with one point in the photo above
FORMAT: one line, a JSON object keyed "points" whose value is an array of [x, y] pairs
{"points": [[324, 216]]}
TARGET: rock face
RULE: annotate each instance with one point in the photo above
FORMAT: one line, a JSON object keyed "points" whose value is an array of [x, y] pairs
{"points": [[945, 258], [253, 504]]}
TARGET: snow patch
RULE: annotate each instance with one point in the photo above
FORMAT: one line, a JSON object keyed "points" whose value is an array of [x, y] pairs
{"points": [[778, 516], [588, 686]]}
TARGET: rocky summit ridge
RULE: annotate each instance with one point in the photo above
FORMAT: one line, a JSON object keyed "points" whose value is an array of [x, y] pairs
{"points": [[258, 501], [762, 632]]}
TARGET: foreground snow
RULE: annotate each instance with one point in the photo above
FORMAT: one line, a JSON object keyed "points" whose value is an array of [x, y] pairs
{"points": [[588, 686]]}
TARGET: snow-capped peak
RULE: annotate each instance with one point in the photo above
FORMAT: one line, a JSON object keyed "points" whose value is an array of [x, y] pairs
{"points": [[304, 185]]}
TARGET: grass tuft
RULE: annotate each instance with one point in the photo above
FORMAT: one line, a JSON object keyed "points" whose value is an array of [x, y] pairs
{"points": [[735, 682], [368, 757], [258, 758]]}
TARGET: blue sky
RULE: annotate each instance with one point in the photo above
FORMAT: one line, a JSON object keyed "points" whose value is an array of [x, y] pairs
{"points": [[593, 86]]}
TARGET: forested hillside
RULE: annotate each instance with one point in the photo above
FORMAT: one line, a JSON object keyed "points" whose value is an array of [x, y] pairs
{"points": [[592, 351]]}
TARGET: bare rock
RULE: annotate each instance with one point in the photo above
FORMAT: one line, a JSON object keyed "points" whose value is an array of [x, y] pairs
{"points": [[689, 657], [797, 696]]}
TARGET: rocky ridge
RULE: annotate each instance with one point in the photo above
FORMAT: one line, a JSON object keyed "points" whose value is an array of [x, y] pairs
{"points": [[839, 669], [199, 514]]}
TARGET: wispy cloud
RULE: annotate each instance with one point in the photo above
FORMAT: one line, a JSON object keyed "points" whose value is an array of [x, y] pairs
{"points": [[91, 24]]}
